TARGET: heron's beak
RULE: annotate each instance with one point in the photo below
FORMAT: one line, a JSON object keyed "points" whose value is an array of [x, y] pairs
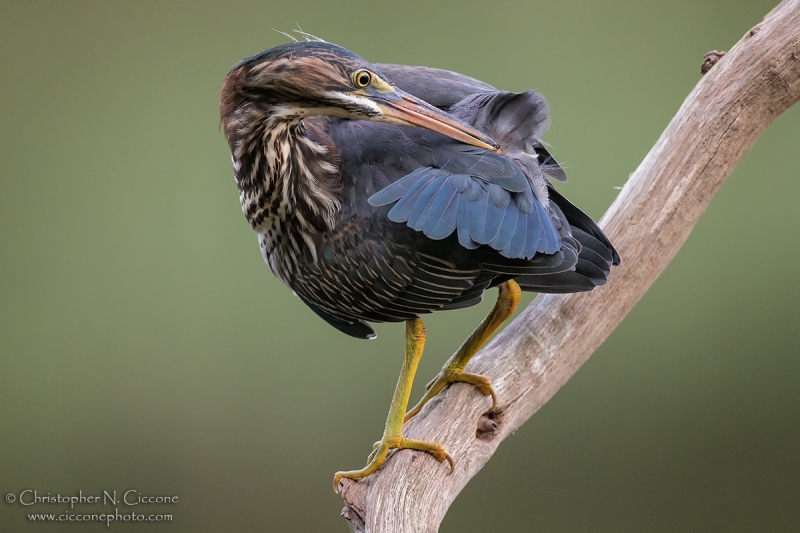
{"points": [[400, 107]]}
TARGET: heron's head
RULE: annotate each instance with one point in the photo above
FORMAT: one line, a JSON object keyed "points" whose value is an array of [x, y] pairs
{"points": [[302, 79]]}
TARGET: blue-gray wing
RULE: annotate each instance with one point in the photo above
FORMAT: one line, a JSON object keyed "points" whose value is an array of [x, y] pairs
{"points": [[515, 120], [428, 223], [481, 197]]}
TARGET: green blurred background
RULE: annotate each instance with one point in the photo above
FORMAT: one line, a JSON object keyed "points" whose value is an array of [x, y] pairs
{"points": [[144, 344]]}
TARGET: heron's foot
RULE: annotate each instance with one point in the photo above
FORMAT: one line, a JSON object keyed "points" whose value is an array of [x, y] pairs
{"points": [[508, 296], [446, 377], [381, 450]]}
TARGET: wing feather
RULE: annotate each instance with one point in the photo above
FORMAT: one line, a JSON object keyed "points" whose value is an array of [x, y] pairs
{"points": [[416, 220], [480, 210], [441, 219]]}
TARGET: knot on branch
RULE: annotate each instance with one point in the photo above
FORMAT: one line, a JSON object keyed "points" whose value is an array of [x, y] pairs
{"points": [[709, 60]]}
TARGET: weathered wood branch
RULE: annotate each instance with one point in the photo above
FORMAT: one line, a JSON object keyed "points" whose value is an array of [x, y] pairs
{"points": [[648, 223]]}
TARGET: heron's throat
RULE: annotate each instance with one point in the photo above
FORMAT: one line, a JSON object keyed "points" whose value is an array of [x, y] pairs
{"points": [[285, 172], [289, 182]]}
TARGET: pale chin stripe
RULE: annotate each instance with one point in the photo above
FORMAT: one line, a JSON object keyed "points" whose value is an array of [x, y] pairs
{"points": [[358, 101]]}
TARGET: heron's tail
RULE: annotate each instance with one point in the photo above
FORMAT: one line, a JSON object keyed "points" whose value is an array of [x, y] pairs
{"points": [[595, 259]]}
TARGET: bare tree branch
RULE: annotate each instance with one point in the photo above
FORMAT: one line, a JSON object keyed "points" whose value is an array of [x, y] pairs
{"points": [[650, 220]]}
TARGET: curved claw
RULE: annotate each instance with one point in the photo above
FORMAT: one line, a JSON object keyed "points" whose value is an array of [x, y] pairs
{"points": [[432, 382], [381, 451], [452, 462], [371, 455], [374, 461], [445, 378]]}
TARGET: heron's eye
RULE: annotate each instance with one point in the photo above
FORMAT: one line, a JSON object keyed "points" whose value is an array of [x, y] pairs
{"points": [[362, 78]]}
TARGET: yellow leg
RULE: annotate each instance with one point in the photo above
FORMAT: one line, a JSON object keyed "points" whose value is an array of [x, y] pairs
{"points": [[393, 434], [508, 296]]}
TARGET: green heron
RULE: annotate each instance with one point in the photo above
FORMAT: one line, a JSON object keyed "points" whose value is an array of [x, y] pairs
{"points": [[380, 193]]}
